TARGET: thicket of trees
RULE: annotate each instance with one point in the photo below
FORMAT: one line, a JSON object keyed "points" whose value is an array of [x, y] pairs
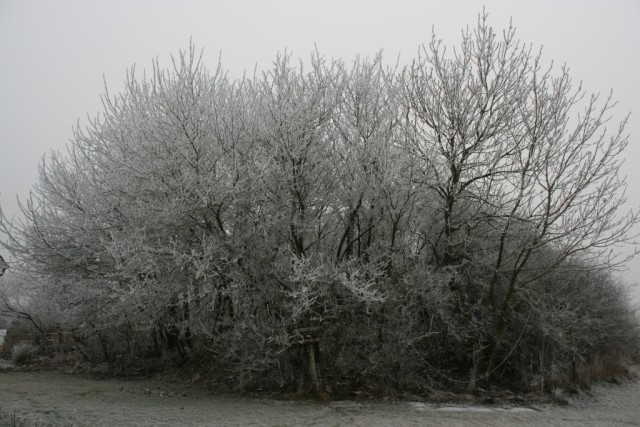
{"points": [[450, 221]]}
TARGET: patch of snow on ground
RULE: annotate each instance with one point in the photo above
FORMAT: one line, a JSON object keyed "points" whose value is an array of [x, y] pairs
{"points": [[471, 408]]}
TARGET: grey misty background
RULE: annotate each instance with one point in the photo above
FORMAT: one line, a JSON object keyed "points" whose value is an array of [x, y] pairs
{"points": [[55, 57]]}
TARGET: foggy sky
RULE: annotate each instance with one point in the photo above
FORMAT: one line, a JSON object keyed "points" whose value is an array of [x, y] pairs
{"points": [[55, 56]]}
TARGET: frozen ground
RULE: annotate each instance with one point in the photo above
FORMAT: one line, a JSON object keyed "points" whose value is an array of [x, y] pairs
{"points": [[64, 400]]}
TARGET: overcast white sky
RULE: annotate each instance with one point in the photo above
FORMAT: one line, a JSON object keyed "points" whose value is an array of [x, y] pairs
{"points": [[54, 54]]}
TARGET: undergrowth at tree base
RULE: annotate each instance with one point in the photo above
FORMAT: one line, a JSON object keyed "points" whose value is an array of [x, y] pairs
{"points": [[217, 378]]}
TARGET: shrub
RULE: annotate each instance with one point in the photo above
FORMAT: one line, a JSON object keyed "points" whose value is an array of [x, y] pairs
{"points": [[23, 353]]}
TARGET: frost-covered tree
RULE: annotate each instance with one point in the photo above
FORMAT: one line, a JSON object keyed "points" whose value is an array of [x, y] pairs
{"points": [[419, 217], [517, 155]]}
